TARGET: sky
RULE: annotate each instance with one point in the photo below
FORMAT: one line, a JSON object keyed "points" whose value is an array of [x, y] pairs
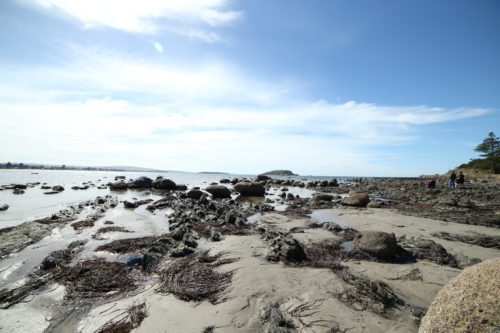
{"points": [[340, 88]]}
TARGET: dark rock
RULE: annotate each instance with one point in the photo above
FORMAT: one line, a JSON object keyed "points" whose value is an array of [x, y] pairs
{"points": [[287, 249], [118, 186], [218, 191], [224, 181], [57, 188], [134, 259], [181, 250], [141, 183], [20, 186], [164, 184], [150, 259], [18, 191], [4, 207], [323, 197], [262, 178], [380, 244], [427, 249], [189, 240], [45, 187], [181, 187], [250, 189], [356, 200], [215, 236], [194, 194]]}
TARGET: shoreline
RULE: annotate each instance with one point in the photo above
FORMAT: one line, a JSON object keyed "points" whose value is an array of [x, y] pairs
{"points": [[301, 264]]}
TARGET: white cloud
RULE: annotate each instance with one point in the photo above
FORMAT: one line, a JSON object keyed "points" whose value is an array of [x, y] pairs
{"points": [[195, 18], [100, 108]]}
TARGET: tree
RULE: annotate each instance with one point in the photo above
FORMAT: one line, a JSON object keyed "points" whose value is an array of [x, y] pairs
{"points": [[490, 148]]}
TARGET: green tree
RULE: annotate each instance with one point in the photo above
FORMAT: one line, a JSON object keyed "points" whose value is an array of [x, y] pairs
{"points": [[490, 148]]}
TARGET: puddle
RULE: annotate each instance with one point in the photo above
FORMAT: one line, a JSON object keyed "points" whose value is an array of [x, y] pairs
{"points": [[326, 216]]}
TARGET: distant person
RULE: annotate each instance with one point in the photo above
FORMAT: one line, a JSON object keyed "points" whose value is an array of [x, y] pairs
{"points": [[461, 179], [452, 180]]}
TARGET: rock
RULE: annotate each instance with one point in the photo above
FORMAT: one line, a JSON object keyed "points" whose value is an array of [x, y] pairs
{"points": [[323, 197], [181, 250], [45, 187], [129, 204], [181, 187], [18, 191], [250, 189], [333, 183], [262, 178], [224, 181], [286, 249], [4, 207], [427, 249], [376, 204], [467, 303], [118, 186], [218, 191], [194, 194], [356, 200], [380, 244], [150, 259], [141, 182], [215, 236], [234, 180], [164, 184], [57, 188], [20, 186]]}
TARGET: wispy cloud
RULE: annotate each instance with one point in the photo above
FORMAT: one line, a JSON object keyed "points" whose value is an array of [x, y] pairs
{"points": [[193, 18], [112, 109]]}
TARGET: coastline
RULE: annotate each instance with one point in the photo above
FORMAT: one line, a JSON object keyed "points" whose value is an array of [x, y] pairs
{"points": [[259, 239]]}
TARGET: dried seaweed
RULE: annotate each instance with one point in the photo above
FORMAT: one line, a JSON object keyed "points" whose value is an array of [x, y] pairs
{"points": [[194, 278], [364, 293], [126, 321], [129, 245], [413, 275], [94, 278], [109, 229]]}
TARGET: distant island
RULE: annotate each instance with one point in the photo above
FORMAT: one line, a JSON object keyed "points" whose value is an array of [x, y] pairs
{"points": [[213, 173], [35, 166], [279, 173]]}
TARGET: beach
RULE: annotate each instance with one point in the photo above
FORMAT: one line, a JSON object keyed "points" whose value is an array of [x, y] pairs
{"points": [[232, 253]]}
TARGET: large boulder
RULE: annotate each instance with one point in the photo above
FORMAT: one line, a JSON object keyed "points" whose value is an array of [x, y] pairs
{"points": [[378, 243], [467, 303], [141, 182], [250, 189], [164, 184], [356, 200], [218, 191], [194, 194], [117, 186], [262, 178]]}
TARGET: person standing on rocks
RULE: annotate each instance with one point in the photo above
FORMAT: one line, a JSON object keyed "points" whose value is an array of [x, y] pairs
{"points": [[452, 180], [461, 179]]}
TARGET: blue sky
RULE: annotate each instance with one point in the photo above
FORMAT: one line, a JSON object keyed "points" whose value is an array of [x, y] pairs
{"points": [[361, 88]]}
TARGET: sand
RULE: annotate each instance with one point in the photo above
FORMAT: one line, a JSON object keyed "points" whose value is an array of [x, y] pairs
{"points": [[305, 296]]}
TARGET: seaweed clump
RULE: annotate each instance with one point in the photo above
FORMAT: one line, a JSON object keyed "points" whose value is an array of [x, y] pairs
{"points": [[194, 277]]}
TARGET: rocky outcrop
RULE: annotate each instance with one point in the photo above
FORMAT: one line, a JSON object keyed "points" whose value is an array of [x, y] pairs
{"points": [[164, 184], [141, 183], [468, 303], [118, 186], [250, 189], [218, 191], [380, 244], [279, 173], [356, 200]]}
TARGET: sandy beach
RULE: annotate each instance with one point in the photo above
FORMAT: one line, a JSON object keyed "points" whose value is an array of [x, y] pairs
{"points": [[235, 266]]}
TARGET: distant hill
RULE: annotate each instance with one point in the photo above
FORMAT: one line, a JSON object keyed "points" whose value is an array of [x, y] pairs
{"points": [[279, 173], [10, 165], [213, 173], [483, 164]]}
